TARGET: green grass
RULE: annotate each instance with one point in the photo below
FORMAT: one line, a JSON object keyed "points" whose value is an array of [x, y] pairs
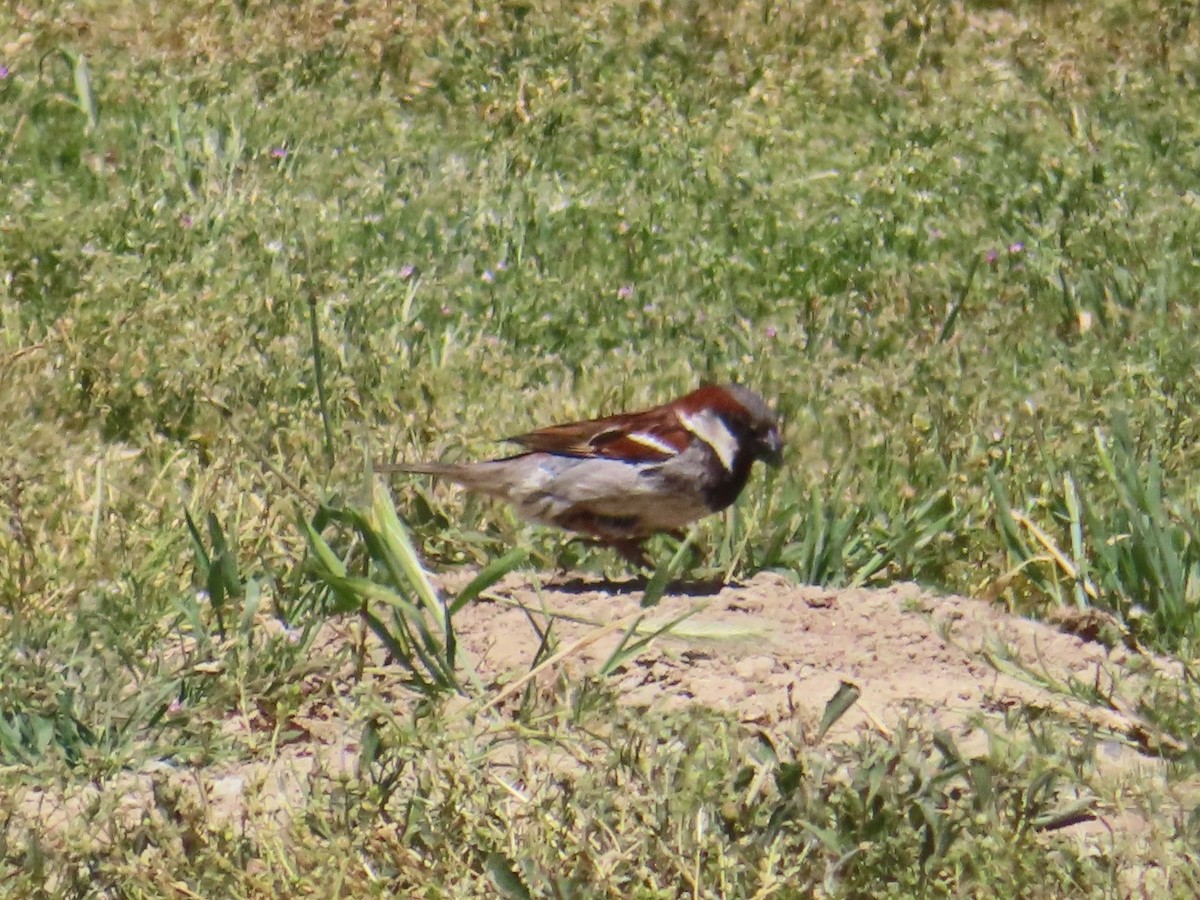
{"points": [[956, 243]]}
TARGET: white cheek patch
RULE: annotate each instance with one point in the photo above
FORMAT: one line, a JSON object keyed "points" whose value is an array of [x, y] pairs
{"points": [[649, 440], [708, 426]]}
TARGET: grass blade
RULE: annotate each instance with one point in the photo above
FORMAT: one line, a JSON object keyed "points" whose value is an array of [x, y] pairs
{"points": [[625, 650], [838, 705], [489, 575], [84, 95]]}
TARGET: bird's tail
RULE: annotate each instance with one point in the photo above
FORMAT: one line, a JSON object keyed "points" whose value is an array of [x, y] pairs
{"points": [[453, 471], [473, 476]]}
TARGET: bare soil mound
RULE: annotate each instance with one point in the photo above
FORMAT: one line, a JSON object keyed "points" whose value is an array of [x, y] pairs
{"points": [[769, 650]]}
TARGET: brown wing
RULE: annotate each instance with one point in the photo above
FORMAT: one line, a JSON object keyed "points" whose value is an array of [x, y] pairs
{"points": [[653, 435]]}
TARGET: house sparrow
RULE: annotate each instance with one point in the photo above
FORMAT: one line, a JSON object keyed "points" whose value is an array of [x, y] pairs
{"points": [[621, 478]]}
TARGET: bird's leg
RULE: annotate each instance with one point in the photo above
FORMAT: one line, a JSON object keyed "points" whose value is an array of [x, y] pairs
{"points": [[611, 531], [631, 550], [628, 549]]}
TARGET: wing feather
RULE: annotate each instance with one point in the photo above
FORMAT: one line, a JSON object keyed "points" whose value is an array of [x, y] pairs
{"points": [[654, 435]]}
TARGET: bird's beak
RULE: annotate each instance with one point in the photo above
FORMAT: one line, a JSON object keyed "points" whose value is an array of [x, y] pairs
{"points": [[771, 448]]}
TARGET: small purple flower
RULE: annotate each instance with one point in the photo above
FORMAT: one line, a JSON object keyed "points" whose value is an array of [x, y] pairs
{"points": [[772, 332], [445, 310], [936, 234], [406, 271], [502, 266], [280, 152], [991, 257], [175, 706], [3, 72], [488, 276], [1015, 248], [624, 292], [186, 221]]}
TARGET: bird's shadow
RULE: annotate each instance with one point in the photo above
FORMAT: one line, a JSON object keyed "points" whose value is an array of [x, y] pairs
{"points": [[575, 584]]}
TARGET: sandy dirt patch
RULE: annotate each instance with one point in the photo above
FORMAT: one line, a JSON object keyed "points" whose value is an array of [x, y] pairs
{"points": [[768, 651]]}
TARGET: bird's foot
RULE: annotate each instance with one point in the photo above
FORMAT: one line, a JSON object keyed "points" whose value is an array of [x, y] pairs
{"points": [[632, 551]]}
